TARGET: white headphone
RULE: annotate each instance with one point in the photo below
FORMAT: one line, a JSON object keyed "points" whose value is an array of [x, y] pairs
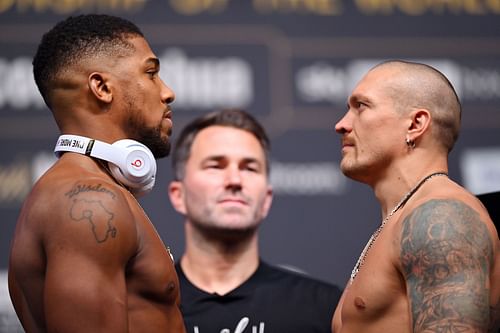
{"points": [[130, 162]]}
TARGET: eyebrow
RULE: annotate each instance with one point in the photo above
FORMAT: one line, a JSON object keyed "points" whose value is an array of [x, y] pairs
{"points": [[154, 61], [358, 98]]}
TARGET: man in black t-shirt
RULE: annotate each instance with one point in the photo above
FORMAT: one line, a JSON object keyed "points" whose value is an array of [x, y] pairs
{"points": [[221, 165]]}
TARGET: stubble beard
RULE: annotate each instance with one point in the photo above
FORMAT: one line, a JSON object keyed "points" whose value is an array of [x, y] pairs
{"points": [[210, 227], [353, 170], [151, 137], [365, 170]]}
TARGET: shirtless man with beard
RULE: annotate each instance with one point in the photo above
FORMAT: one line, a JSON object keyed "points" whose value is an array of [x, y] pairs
{"points": [[85, 257]]}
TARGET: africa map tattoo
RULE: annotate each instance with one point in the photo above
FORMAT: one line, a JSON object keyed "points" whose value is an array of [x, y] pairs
{"points": [[446, 252], [94, 212]]}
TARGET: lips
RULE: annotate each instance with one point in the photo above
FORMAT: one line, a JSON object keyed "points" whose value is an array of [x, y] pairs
{"points": [[347, 143], [233, 200], [168, 114]]}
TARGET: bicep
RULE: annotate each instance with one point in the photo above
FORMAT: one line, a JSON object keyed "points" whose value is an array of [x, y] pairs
{"points": [[80, 296], [86, 254], [446, 253]]}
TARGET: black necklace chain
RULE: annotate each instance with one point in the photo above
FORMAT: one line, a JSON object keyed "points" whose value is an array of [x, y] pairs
{"points": [[377, 232]]}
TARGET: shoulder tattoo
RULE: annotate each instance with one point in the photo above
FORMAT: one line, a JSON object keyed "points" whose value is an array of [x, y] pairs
{"points": [[83, 188], [86, 207], [446, 253], [96, 215]]}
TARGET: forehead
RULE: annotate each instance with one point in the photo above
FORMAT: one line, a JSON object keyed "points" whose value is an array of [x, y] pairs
{"points": [[226, 141], [142, 51], [126, 61], [375, 84]]}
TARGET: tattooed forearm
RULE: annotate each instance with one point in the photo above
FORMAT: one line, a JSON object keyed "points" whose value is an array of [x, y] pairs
{"points": [[97, 216], [77, 189], [446, 253]]}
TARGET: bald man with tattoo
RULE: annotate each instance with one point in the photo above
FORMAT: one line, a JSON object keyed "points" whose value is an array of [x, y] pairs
{"points": [[85, 257], [433, 262]]}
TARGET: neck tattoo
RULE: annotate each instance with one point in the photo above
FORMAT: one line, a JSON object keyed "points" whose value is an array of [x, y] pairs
{"points": [[377, 232]]}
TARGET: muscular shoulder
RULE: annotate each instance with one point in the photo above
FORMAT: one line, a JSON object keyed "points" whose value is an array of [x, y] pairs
{"points": [[447, 253], [80, 210], [441, 225]]}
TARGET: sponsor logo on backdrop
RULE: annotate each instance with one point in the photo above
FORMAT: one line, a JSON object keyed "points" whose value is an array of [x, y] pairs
{"points": [[264, 7], [15, 182], [287, 178], [207, 82], [481, 169], [70, 6], [18, 177], [213, 82], [323, 82], [307, 179], [17, 86]]}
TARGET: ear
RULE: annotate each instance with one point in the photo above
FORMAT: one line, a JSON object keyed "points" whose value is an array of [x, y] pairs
{"points": [[420, 121], [267, 202], [176, 195], [100, 87]]}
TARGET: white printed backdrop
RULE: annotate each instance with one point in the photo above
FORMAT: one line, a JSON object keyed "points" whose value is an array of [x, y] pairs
{"points": [[291, 64]]}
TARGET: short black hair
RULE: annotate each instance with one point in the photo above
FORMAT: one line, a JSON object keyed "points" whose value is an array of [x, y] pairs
{"points": [[235, 118], [77, 38]]}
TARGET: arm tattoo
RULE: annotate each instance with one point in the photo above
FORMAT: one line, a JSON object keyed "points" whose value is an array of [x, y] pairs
{"points": [[94, 213], [446, 252]]}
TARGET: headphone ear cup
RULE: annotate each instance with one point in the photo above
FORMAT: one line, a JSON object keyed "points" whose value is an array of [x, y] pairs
{"points": [[137, 170]]}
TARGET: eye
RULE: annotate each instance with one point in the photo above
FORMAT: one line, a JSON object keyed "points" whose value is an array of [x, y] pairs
{"points": [[153, 73], [252, 167], [213, 166], [361, 105]]}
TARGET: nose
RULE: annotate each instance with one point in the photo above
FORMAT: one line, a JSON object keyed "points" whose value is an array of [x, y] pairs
{"points": [[167, 94], [233, 178], [344, 124]]}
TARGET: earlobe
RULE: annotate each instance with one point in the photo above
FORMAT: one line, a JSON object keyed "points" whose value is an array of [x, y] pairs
{"points": [[99, 86], [176, 195]]}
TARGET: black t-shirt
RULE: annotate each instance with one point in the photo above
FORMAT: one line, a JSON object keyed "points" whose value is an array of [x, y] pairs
{"points": [[272, 300]]}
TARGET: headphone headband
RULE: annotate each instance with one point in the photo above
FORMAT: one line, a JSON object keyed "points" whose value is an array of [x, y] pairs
{"points": [[130, 162], [73, 143], [90, 147]]}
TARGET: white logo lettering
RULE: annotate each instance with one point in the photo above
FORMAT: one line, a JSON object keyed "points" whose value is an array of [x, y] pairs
{"points": [[240, 327], [208, 82]]}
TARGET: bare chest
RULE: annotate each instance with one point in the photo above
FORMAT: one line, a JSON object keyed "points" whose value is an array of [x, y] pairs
{"points": [[150, 273], [375, 300]]}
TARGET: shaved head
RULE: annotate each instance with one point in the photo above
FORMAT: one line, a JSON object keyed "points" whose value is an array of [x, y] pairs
{"points": [[418, 86]]}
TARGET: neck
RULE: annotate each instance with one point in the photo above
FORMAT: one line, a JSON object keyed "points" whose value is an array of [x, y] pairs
{"points": [[218, 266], [390, 190]]}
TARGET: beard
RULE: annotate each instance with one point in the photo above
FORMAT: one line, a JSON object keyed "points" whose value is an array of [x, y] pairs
{"points": [[229, 225], [367, 169], [151, 137], [227, 235]]}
